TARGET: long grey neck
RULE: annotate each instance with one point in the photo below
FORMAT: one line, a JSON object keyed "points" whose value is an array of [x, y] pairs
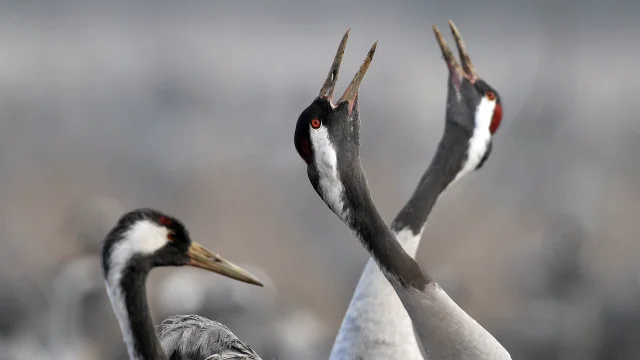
{"points": [[367, 223], [443, 170], [376, 325], [129, 301]]}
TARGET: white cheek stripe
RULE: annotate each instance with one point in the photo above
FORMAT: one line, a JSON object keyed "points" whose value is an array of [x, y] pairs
{"points": [[326, 161], [480, 139], [144, 237]]}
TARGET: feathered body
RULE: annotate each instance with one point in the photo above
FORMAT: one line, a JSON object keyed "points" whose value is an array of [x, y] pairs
{"points": [[193, 337]]}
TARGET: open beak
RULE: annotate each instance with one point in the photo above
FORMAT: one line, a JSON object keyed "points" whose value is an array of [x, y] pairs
{"points": [[467, 70], [202, 258], [350, 95]]}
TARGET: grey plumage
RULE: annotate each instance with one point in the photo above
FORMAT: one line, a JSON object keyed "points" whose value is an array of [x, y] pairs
{"points": [[193, 337], [327, 138]]}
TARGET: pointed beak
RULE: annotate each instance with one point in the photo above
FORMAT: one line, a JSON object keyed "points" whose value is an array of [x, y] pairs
{"points": [[326, 92], [350, 95], [467, 70], [202, 258]]}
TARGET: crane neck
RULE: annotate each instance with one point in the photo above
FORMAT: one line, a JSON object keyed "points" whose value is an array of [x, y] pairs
{"points": [[446, 167], [369, 226], [129, 301]]}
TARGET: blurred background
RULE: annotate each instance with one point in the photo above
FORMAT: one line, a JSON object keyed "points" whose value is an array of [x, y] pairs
{"points": [[189, 107]]}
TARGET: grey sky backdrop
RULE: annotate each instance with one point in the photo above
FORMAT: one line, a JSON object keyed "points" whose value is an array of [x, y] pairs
{"points": [[190, 107]]}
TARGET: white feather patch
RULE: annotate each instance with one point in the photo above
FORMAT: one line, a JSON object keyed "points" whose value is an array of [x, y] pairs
{"points": [[480, 139], [326, 160], [144, 237]]}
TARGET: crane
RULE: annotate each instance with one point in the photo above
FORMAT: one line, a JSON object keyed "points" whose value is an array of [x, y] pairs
{"points": [[141, 240], [327, 138]]}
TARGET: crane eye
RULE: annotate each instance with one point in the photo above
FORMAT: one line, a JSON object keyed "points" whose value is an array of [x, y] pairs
{"points": [[171, 235], [315, 123], [491, 95]]}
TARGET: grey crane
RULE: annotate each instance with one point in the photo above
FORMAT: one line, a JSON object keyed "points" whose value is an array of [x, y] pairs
{"points": [[141, 240]]}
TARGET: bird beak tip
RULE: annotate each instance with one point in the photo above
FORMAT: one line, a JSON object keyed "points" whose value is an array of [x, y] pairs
{"points": [[467, 70], [205, 259]]}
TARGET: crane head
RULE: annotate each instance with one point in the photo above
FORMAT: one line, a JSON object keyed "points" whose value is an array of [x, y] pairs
{"points": [[145, 238], [327, 134], [472, 103]]}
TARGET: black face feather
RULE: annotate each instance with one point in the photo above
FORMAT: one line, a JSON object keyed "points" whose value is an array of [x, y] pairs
{"points": [[483, 88], [174, 253], [320, 110], [343, 129]]}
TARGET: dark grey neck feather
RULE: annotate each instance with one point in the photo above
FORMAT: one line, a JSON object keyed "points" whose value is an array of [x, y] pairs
{"points": [[445, 165], [144, 339], [365, 220]]}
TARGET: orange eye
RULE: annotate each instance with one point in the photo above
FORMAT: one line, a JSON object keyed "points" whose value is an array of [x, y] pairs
{"points": [[171, 236], [490, 95], [315, 123]]}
